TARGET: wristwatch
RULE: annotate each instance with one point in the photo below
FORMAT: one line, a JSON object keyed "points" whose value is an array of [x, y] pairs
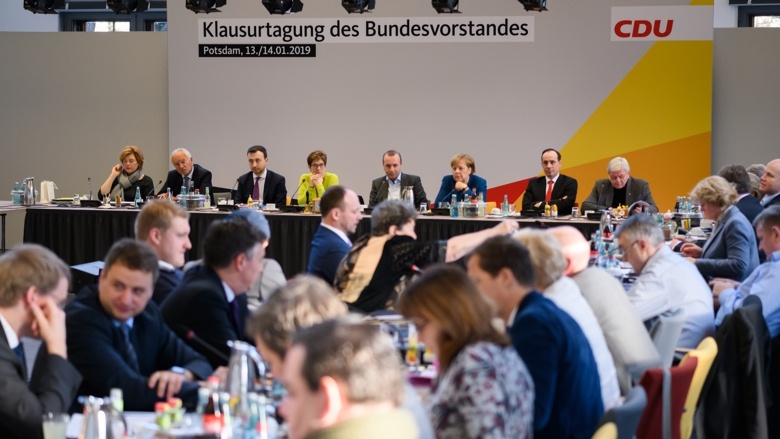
{"points": [[180, 370]]}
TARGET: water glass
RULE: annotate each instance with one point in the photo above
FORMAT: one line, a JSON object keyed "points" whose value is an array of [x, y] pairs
{"points": [[55, 425], [575, 212], [423, 207]]}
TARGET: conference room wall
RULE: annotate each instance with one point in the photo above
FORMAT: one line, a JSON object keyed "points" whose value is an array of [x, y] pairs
{"points": [[69, 102]]}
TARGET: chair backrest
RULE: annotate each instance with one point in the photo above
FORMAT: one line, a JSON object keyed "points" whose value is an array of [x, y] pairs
{"points": [[666, 332], [606, 431], [666, 392], [626, 416], [705, 352]]}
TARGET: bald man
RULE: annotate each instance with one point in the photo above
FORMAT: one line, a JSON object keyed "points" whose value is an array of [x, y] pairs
{"points": [[629, 342], [770, 184]]}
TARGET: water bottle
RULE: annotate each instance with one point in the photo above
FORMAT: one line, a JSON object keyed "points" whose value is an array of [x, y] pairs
{"points": [[454, 206], [207, 203], [169, 193], [505, 206], [606, 224], [138, 200]]}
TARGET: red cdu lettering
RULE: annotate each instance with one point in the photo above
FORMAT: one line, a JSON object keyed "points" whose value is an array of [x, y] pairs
{"points": [[619, 28], [643, 28]]}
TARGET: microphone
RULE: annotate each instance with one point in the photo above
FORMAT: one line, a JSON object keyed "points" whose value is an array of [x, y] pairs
{"points": [[154, 189], [371, 203], [192, 336], [303, 180], [230, 195], [89, 182]]}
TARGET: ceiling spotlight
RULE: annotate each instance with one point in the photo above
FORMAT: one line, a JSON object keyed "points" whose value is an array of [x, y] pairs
{"points": [[534, 5], [282, 7], [43, 6], [205, 6], [127, 6], [445, 6], [358, 6]]}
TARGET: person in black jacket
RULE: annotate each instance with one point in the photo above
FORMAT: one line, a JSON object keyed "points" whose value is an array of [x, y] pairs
{"points": [[127, 177], [561, 188], [261, 183], [187, 174]]}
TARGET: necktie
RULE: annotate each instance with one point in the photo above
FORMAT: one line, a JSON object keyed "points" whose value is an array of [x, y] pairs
{"points": [[256, 189], [128, 350], [234, 310], [548, 195], [19, 351], [187, 183]]}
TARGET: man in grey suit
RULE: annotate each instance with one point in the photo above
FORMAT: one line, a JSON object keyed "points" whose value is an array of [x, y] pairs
{"points": [[391, 185], [619, 189]]}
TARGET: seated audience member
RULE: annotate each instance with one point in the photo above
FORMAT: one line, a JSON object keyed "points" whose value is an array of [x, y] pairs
{"points": [[731, 250], [548, 264], [770, 184], [619, 189], [272, 276], [313, 184], [165, 226], [127, 176], [344, 380], [566, 381], [33, 286], [552, 188], [738, 177], [757, 169], [626, 336], [378, 267], [262, 184], [304, 302], [755, 184], [484, 389], [763, 282], [391, 185], [341, 214], [211, 301], [186, 174], [117, 337], [665, 282], [463, 182]]}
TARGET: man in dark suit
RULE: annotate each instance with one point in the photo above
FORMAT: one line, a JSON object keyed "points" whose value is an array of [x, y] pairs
{"points": [[117, 337], [770, 184], [186, 174], [34, 286], [211, 301], [553, 188], [261, 183], [550, 342], [392, 184], [619, 189], [165, 226], [340, 209]]}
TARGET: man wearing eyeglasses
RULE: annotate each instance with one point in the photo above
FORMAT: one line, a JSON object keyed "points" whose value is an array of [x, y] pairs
{"points": [[666, 282], [620, 189]]}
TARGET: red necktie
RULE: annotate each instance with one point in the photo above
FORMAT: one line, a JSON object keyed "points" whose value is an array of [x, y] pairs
{"points": [[548, 195]]}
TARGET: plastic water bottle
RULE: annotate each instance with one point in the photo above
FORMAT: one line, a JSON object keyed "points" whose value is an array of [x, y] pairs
{"points": [[454, 206], [505, 206], [169, 193], [207, 203], [138, 200]]}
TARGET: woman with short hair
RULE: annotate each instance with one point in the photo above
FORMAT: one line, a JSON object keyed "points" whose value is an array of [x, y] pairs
{"points": [[128, 175], [313, 183], [463, 182]]}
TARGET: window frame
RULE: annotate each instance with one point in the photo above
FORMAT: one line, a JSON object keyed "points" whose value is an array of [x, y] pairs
{"points": [[746, 13], [73, 21]]}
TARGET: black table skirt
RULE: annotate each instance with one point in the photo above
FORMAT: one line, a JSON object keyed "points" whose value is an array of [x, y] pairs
{"points": [[81, 235]]}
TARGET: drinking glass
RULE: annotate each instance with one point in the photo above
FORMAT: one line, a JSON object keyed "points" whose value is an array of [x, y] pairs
{"points": [[55, 425], [423, 207], [512, 208], [575, 212]]}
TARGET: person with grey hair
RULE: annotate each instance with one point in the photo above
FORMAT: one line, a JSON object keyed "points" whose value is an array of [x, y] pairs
{"points": [[187, 174], [619, 189], [665, 282], [757, 169], [762, 282], [344, 379], [378, 267]]}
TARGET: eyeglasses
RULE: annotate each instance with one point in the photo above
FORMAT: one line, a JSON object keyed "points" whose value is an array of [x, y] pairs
{"points": [[625, 250], [317, 165]]}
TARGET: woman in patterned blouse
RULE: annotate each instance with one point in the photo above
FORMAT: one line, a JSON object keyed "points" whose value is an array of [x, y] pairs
{"points": [[484, 389]]}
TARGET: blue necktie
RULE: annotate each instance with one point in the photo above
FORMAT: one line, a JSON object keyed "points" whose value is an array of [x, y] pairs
{"points": [[128, 350], [19, 351]]}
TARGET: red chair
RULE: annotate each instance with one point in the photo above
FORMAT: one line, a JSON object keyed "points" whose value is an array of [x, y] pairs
{"points": [[666, 390]]}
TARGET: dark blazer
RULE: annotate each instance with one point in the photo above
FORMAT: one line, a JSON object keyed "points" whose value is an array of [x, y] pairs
{"points": [[775, 201], [731, 251], [201, 179], [327, 251], [558, 356], [93, 347], [146, 184], [565, 186], [600, 197], [379, 190], [167, 281], [750, 207], [199, 305], [53, 386], [448, 188], [275, 190]]}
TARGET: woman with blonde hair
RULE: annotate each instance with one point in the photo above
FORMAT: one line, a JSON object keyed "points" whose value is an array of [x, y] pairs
{"points": [[463, 182], [128, 175], [484, 389], [731, 251]]}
